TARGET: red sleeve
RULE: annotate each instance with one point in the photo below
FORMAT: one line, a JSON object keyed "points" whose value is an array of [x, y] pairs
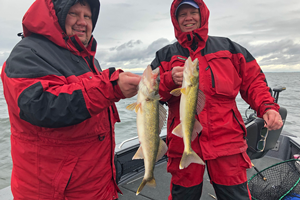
{"points": [[254, 89]]}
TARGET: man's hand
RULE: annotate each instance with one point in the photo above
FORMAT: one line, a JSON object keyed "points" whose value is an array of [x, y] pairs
{"points": [[128, 83], [177, 75], [273, 120]]}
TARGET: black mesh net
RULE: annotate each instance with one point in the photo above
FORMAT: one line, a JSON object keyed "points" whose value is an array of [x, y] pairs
{"points": [[280, 181]]}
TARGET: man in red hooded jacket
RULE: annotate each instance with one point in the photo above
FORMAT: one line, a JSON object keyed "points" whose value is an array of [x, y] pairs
{"points": [[61, 105], [225, 69]]}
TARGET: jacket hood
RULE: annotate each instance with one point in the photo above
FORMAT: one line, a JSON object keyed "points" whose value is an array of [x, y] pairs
{"points": [[62, 8], [200, 35], [47, 18]]}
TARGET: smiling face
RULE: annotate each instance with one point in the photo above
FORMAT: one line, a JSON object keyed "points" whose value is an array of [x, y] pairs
{"points": [[79, 22], [188, 18]]}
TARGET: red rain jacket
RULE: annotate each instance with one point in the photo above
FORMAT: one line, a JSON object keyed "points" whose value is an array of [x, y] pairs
{"points": [[61, 109], [225, 69]]}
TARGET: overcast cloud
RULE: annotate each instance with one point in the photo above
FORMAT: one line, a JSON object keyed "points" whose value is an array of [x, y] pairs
{"points": [[130, 32]]}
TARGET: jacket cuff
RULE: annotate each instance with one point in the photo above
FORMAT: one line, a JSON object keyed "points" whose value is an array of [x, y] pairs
{"points": [[114, 77], [265, 107]]}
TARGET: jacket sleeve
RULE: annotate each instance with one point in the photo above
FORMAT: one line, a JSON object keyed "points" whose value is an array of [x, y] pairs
{"points": [[166, 81], [41, 95], [254, 89]]}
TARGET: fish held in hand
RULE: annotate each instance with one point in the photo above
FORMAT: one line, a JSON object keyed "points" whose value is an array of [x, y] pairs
{"points": [[151, 116], [192, 102]]}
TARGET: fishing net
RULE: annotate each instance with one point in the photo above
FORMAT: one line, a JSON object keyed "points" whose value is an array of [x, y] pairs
{"points": [[279, 181]]}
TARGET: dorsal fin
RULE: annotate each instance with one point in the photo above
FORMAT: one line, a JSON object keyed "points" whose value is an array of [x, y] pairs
{"points": [[200, 101], [162, 116]]}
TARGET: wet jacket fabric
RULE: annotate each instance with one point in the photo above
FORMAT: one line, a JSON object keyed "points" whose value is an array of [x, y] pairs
{"points": [[61, 109], [225, 69]]}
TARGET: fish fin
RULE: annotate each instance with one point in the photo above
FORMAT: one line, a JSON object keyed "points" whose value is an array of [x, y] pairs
{"points": [[188, 158], [162, 149], [176, 92], [148, 72], [178, 130], [200, 102], [184, 91], [131, 106], [157, 97], [138, 154], [137, 107], [155, 71], [162, 116], [197, 129], [151, 183]]}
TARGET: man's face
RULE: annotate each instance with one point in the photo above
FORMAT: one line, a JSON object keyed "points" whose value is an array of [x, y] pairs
{"points": [[79, 22], [188, 18]]}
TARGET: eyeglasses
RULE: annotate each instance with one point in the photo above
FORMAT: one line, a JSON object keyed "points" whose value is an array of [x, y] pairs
{"points": [[262, 142]]}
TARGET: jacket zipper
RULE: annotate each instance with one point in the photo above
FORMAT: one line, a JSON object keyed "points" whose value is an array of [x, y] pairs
{"points": [[171, 123], [212, 76], [68, 181], [239, 124], [114, 178], [88, 62]]}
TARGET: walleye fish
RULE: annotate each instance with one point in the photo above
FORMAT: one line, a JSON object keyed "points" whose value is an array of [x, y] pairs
{"points": [[151, 116], [192, 101]]}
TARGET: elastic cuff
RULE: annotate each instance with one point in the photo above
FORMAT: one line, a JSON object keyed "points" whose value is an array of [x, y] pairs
{"points": [[114, 77], [263, 109]]}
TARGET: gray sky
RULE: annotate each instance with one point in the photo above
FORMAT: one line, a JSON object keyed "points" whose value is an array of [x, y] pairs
{"points": [[130, 32]]}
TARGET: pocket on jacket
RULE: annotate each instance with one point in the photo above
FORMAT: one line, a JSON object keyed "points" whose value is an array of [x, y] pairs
{"points": [[246, 161], [224, 76], [64, 176], [178, 61]]}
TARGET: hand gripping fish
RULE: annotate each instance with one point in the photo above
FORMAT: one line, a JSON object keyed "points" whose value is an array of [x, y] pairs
{"points": [[192, 102], [151, 116]]}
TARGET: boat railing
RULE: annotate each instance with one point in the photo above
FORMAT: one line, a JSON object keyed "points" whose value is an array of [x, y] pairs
{"points": [[128, 140]]}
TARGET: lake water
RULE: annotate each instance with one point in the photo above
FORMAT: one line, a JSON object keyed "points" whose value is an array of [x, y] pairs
{"points": [[127, 128]]}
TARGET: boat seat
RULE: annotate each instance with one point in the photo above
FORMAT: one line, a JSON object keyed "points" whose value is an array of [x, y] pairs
{"points": [[253, 135]]}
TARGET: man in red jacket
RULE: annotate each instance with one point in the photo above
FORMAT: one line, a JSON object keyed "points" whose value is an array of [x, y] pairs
{"points": [[225, 69], [62, 105]]}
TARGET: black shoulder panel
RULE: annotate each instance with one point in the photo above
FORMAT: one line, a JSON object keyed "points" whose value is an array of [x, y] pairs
{"points": [[166, 53], [35, 56], [215, 44], [61, 111], [97, 65]]}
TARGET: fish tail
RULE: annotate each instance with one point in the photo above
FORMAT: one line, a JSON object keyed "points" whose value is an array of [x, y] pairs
{"points": [[188, 158], [151, 183]]}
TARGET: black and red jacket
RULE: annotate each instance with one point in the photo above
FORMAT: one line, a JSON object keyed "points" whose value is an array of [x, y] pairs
{"points": [[54, 86], [225, 69]]}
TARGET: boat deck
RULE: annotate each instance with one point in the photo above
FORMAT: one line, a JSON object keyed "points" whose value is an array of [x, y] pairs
{"points": [[133, 172], [162, 190]]}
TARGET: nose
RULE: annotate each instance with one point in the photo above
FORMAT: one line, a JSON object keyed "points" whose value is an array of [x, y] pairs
{"points": [[81, 21], [188, 16]]}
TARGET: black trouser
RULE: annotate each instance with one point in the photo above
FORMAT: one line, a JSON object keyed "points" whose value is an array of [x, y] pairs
{"points": [[186, 193], [235, 192]]}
